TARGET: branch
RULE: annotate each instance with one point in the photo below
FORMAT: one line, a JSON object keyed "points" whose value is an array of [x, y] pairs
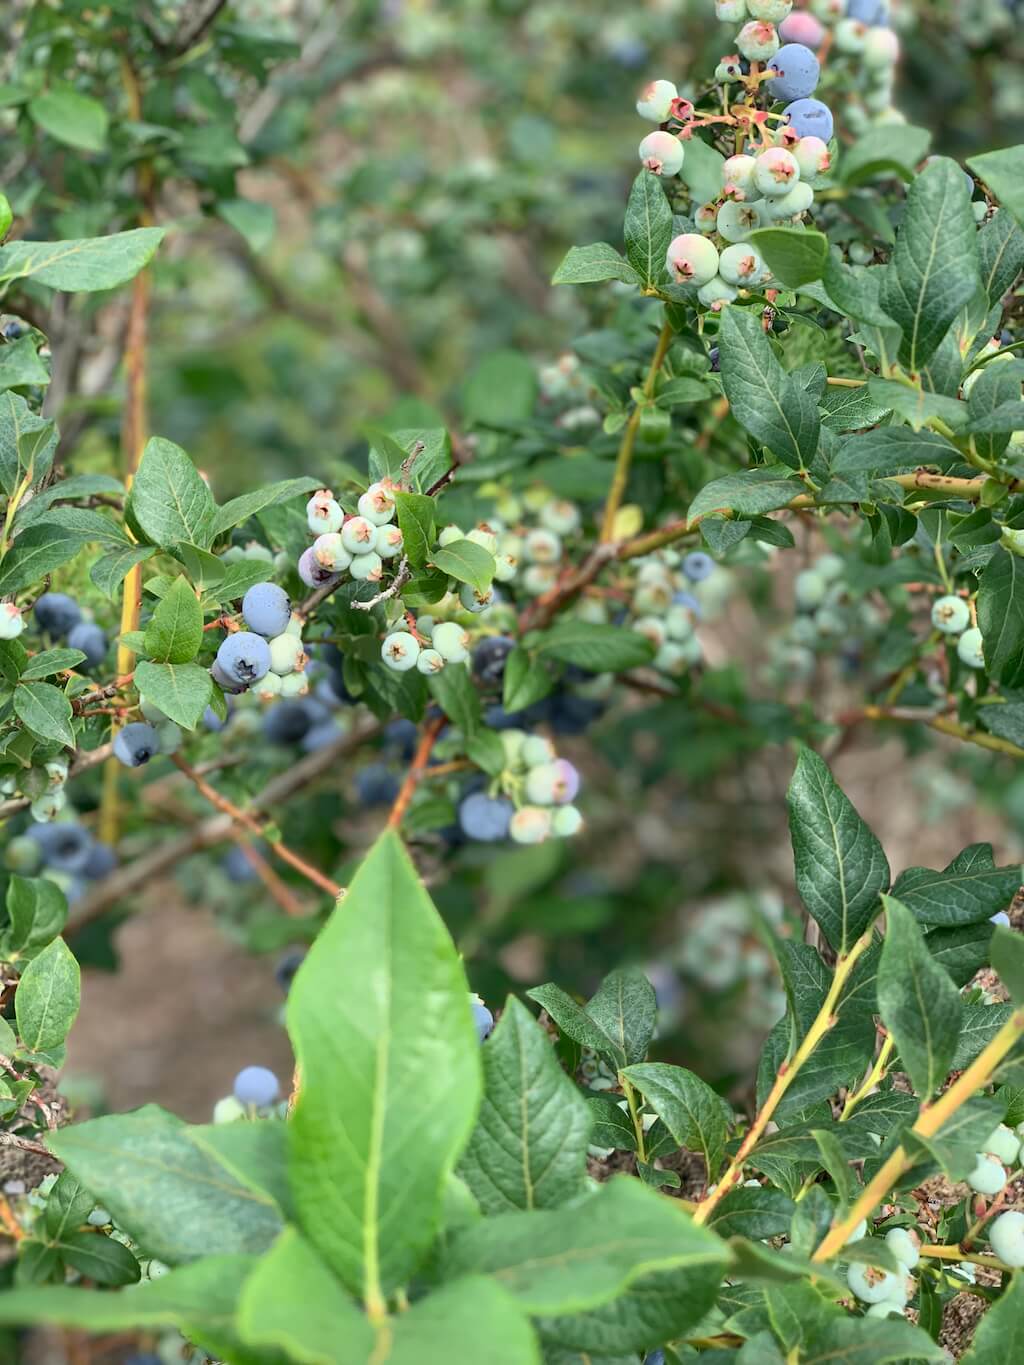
{"points": [[625, 457], [401, 578], [417, 768]]}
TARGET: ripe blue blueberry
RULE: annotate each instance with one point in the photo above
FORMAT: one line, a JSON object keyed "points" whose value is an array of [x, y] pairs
{"points": [[256, 1086], [213, 722], [376, 785], [490, 657], [286, 722], [91, 640], [810, 118], [311, 571], [485, 818], [482, 1018], [318, 737], [136, 744], [866, 11], [244, 657], [798, 73], [287, 966], [101, 862], [224, 682], [237, 866], [56, 613], [697, 566], [267, 609]]}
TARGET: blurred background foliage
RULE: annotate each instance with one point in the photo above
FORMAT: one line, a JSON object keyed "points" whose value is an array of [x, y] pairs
{"points": [[368, 200]]}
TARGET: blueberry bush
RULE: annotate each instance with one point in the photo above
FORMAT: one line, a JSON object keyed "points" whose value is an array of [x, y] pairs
{"points": [[806, 330]]}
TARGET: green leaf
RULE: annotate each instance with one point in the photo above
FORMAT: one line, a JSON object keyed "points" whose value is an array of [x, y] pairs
{"points": [[165, 1188], [379, 1005], [576, 1023], [917, 1001], [415, 513], [110, 572], [1003, 173], [588, 644], [591, 264], [70, 117], [526, 680], [45, 710], [389, 452], [68, 1206], [292, 1301], [1008, 960], [934, 268], [894, 450], [648, 228], [82, 265], [454, 691], [1001, 254], [1001, 616], [254, 1152], [92, 526], [625, 1008], [254, 221], [979, 1024], [766, 401], [181, 691], [572, 1259], [50, 661], [867, 1341], [463, 1323], [999, 1336], [500, 390], [695, 1116], [855, 290], [702, 171], [878, 152], [38, 911], [529, 1147], [916, 406], [757, 1212], [465, 561], [99, 1257], [34, 554], [240, 509], [169, 502], [794, 256], [969, 890], [175, 630], [47, 999], [27, 442], [20, 365], [841, 869], [992, 405], [750, 492]]}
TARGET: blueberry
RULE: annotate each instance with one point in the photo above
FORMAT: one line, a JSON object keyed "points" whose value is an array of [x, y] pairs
{"points": [[697, 566], [798, 73], [951, 615], [570, 714], [213, 722], [810, 118], [287, 966], [256, 1085], [401, 735], [490, 658], [866, 11], [320, 736], [313, 573], [286, 722], [714, 360], [66, 846], [655, 1358], [376, 785], [136, 744], [484, 818], [244, 657], [224, 681], [90, 640], [482, 1017], [1006, 1237], [101, 862], [267, 609], [56, 613]]}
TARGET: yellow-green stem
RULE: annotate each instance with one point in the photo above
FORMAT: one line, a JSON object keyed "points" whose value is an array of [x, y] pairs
{"points": [[954, 1253], [929, 1121], [634, 1114], [787, 1073], [626, 446], [874, 1076]]}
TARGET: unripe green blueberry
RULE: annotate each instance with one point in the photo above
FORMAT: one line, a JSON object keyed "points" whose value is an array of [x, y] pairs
{"points": [[830, 623], [530, 825], [48, 806], [388, 541], [662, 153], [269, 686], [449, 534], [790, 205], [539, 579], [678, 623], [706, 219], [1003, 1143], [742, 265], [979, 208], [651, 628], [430, 661], [542, 546], [988, 1176], [738, 221], [56, 770], [672, 658], [228, 1110], [367, 568], [560, 515], [330, 553], [758, 40], [810, 588], [951, 615], [776, 172], [287, 654], [829, 9], [813, 157], [11, 624], [728, 69], [1006, 1237], [292, 685], [476, 599], [506, 567], [171, 737], [566, 821], [884, 1309], [716, 294], [692, 259], [377, 504], [774, 10], [512, 742], [872, 1284], [358, 535], [970, 650], [905, 1245], [451, 642], [485, 538], [850, 36], [730, 11], [23, 855], [323, 513], [860, 253], [537, 749], [830, 567], [738, 176], [400, 651], [654, 102]]}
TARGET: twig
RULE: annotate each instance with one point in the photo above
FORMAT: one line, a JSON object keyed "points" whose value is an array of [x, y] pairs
{"points": [[256, 826], [416, 769], [11, 1226], [626, 446], [24, 1144], [319, 595], [279, 890], [418, 448], [401, 578]]}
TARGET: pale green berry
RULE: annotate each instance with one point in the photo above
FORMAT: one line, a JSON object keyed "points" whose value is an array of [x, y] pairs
{"points": [[512, 742], [269, 686], [969, 648], [451, 642], [539, 579], [542, 546], [678, 623], [485, 538], [905, 1245], [810, 588], [57, 771], [654, 102], [377, 504], [449, 534], [716, 294], [561, 516], [388, 541], [430, 661], [988, 1176], [757, 41], [738, 176], [11, 624], [951, 615], [566, 821], [292, 685], [367, 568], [692, 259], [672, 658], [476, 599], [530, 825], [662, 153], [872, 1284], [850, 36], [424, 626], [358, 535], [706, 218], [505, 568], [730, 11], [737, 221], [813, 157], [171, 737], [830, 567], [287, 654], [1003, 1143], [536, 750], [790, 205], [775, 10], [295, 625], [742, 265], [400, 651], [48, 806], [776, 172], [228, 1110], [330, 553], [884, 1310], [1006, 1237], [651, 628], [323, 513]]}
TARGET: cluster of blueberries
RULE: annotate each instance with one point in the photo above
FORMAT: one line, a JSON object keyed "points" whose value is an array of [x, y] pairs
{"points": [[534, 796], [664, 607], [60, 618], [65, 849], [951, 615]]}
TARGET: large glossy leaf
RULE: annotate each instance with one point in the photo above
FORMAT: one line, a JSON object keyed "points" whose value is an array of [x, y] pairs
{"points": [[1003, 173], [240, 509], [1001, 616], [181, 691], [648, 227], [769, 403], [694, 1114], [169, 502], [27, 442], [379, 1014], [165, 1188], [83, 265], [529, 1146], [47, 999], [175, 629], [969, 890], [841, 869]]}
